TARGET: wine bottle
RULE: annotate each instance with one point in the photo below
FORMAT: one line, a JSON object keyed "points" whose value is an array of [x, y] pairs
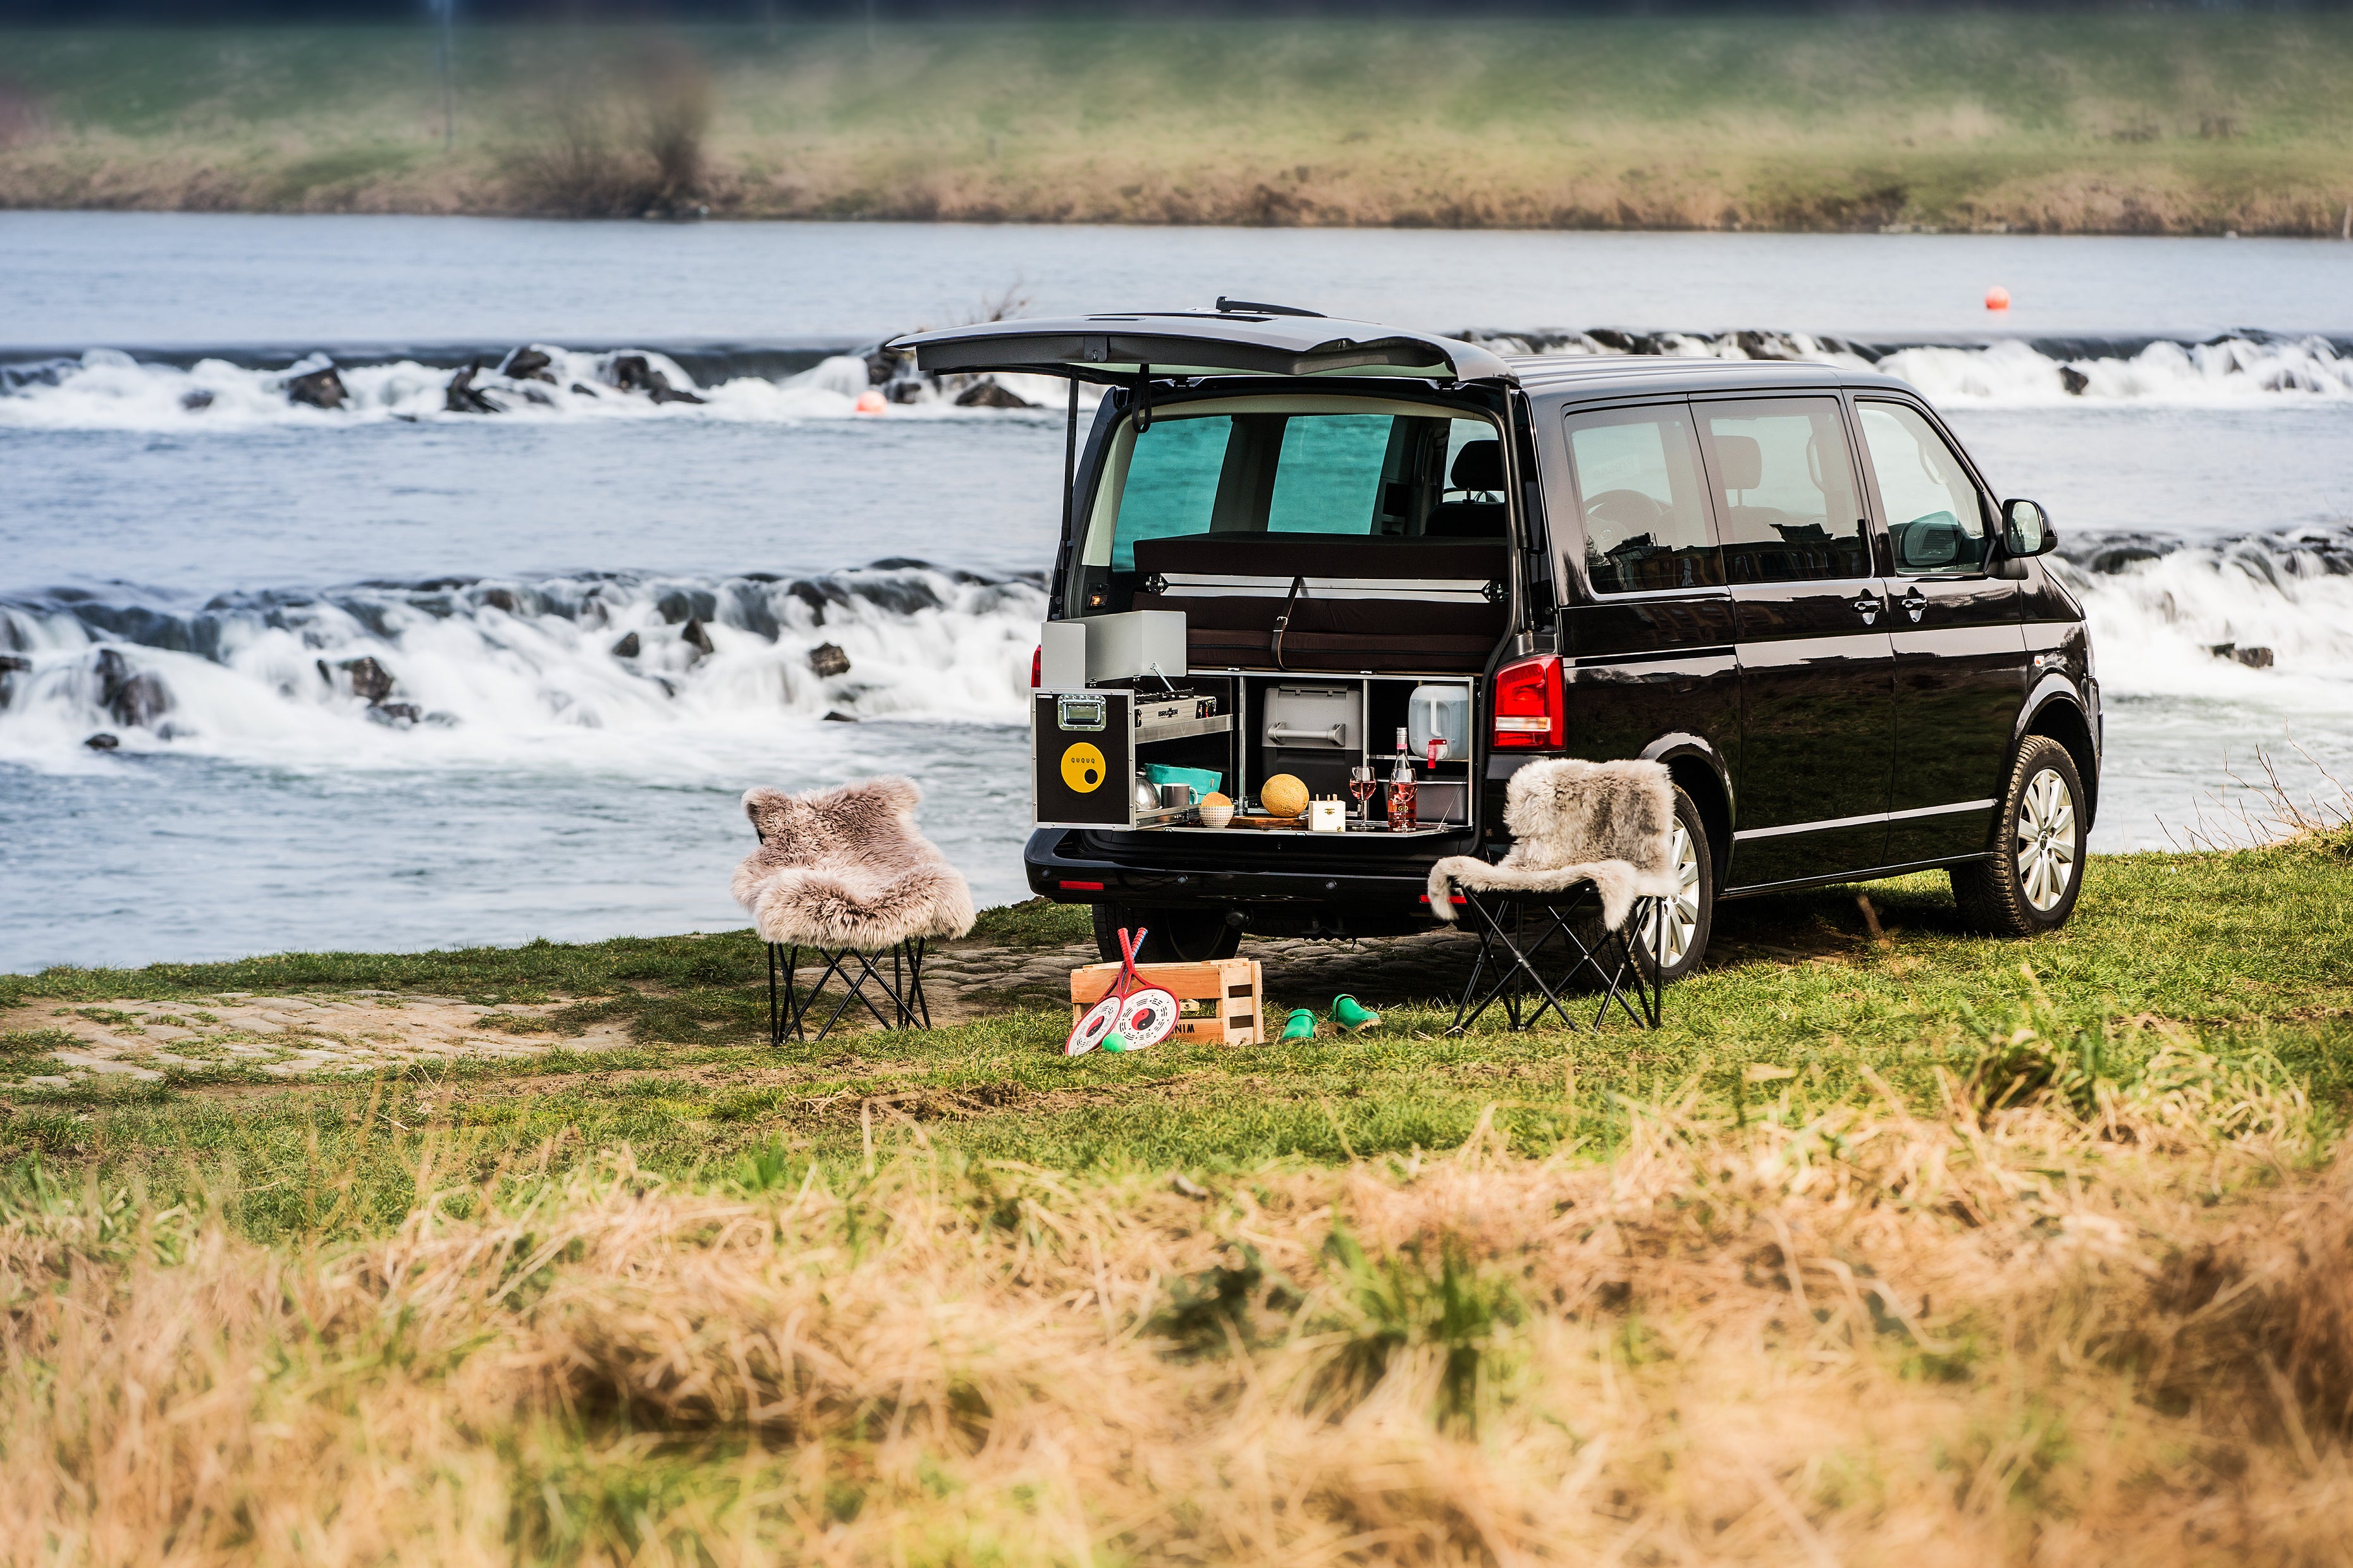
{"points": [[1402, 803]]}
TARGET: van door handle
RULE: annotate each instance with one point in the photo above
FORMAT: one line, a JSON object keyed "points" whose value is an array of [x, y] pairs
{"points": [[1916, 605], [1868, 607]]}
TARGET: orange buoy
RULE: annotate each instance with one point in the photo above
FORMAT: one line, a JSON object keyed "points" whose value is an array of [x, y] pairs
{"points": [[1997, 298], [871, 401]]}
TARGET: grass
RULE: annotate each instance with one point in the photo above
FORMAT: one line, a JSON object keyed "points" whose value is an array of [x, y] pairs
{"points": [[2240, 953], [2164, 123], [1922, 1247]]}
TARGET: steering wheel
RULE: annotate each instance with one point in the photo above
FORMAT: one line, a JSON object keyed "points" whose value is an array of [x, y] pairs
{"points": [[1631, 510]]}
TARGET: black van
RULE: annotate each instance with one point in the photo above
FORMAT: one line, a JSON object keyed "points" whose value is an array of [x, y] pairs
{"points": [[1785, 580]]}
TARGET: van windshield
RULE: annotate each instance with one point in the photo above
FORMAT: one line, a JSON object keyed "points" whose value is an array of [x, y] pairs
{"points": [[1298, 466]]}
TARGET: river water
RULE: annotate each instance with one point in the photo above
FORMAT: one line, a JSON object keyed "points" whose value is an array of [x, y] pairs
{"points": [[182, 548]]}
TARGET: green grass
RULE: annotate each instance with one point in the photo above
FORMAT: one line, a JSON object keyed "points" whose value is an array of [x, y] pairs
{"points": [[2166, 122], [2245, 954]]}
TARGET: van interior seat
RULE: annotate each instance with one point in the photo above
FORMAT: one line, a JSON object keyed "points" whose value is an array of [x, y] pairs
{"points": [[1742, 461], [1405, 633], [1479, 469]]}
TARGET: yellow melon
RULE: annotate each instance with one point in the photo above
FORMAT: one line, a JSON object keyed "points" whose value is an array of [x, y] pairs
{"points": [[1282, 795]]}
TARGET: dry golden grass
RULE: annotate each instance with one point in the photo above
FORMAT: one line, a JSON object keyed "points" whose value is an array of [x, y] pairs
{"points": [[2112, 1327]]}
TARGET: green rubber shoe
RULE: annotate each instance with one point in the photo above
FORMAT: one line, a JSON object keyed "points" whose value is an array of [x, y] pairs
{"points": [[1300, 1026], [1352, 1014]]}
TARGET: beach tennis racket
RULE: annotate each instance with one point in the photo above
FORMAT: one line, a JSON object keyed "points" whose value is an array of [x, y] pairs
{"points": [[1093, 1026], [1147, 1017], [1147, 1013], [1133, 1016]]}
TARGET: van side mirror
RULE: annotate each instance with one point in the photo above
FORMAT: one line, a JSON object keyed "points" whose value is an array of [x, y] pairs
{"points": [[2026, 530]]}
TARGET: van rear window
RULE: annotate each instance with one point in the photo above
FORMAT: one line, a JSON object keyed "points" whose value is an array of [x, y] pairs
{"points": [[1280, 470]]}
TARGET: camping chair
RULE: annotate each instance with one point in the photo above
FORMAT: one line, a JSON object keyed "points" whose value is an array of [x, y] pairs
{"points": [[844, 873], [1588, 874]]}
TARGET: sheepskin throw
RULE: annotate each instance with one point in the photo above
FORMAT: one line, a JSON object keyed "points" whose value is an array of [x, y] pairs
{"points": [[845, 867], [1610, 823]]}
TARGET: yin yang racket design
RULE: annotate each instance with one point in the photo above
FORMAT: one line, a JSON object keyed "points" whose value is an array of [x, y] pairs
{"points": [[1097, 1022], [1147, 1017]]}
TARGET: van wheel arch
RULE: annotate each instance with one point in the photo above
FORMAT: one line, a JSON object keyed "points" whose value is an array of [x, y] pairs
{"points": [[2060, 719], [1697, 778]]}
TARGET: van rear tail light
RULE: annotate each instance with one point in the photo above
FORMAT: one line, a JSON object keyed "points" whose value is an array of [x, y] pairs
{"points": [[1528, 708], [1036, 667]]}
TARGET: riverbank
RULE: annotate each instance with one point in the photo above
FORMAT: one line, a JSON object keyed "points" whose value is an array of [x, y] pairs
{"points": [[2164, 123], [1896, 1243]]}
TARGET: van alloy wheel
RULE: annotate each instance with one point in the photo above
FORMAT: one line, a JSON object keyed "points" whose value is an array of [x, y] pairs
{"points": [[2046, 840], [1680, 917], [1682, 927], [2029, 882]]}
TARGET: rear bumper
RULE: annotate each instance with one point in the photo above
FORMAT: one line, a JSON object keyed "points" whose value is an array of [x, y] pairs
{"points": [[1341, 893]]}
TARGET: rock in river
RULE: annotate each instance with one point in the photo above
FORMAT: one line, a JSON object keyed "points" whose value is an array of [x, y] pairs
{"points": [[527, 364], [989, 394], [320, 389], [631, 372], [828, 660], [369, 680], [460, 397], [135, 698], [629, 647]]}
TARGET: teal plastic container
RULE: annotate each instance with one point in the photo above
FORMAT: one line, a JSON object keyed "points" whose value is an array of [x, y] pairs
{"points": [[1203, 780]]}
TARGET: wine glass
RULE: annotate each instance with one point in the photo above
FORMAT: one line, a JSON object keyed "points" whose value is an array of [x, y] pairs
{"points": [[1363, 786]]}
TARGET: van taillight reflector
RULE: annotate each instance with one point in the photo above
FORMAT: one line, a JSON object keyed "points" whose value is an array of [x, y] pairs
{"points": [[1036, 667], [1528, 707], [1081, 886]]}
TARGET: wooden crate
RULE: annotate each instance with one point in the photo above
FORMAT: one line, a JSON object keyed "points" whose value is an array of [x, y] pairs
{"points": [[1225, 1000]]}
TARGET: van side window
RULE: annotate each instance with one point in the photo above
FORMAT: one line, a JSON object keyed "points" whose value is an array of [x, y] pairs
{"points": [[1636, 477], [1934, 518], [1785, 490]]}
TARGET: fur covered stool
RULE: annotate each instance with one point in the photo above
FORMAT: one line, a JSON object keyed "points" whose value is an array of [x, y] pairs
{"points": [[844, 872], [1591, 864]]}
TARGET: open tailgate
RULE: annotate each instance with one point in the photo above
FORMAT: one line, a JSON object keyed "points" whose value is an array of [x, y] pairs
{"points": [[1115, 348]]}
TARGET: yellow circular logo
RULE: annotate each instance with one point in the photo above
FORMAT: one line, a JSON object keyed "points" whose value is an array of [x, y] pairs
{"points": [[1083, 767]]}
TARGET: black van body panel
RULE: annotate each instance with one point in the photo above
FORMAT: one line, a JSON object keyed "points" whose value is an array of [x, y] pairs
{"points": [[1817, 693], [1961, 675], [1842, 729]]}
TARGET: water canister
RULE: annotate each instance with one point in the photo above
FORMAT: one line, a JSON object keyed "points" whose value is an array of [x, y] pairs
{"points": [[1440, 713]]}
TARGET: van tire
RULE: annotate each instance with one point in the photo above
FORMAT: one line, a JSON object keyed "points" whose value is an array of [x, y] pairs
{"points": [[1696, 870], [2003, 895], [1170, 936]]}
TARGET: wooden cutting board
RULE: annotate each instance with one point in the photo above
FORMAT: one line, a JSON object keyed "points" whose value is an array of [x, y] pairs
{"points": [[1297, 824]]}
